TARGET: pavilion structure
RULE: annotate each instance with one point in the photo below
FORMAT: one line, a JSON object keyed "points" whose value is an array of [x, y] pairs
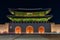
{"points": [[29, 20]]}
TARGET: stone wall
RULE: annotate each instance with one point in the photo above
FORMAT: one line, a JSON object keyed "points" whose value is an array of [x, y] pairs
{"points": [[4, 28], [55, 27]]}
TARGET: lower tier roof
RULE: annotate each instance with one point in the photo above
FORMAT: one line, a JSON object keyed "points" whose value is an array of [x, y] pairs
{"points": [[29, 19]]}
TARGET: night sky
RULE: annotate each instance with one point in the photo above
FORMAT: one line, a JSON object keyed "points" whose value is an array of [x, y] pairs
{"points": [[55, 5]]}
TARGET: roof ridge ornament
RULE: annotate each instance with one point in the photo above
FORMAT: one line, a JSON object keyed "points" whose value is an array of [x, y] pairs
{"points": [[30, 8]]}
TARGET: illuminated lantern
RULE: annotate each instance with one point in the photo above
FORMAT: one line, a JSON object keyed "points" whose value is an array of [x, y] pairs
{"points": [[41, 29], [29, 29], [18, 30]]}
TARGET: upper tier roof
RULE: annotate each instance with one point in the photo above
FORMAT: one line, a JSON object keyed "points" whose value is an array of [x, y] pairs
{"points": [[30, 11]]}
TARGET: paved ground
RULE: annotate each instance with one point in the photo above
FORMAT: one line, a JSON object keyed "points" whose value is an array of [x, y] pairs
{"points": [[29, 37]]}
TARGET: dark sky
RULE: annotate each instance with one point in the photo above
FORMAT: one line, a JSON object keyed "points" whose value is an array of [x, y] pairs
{"points": [[55, 5]]}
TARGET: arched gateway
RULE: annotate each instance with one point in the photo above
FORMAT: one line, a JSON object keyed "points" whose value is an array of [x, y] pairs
{"points": [[29, 29], [41, 29], [18, 30]]}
